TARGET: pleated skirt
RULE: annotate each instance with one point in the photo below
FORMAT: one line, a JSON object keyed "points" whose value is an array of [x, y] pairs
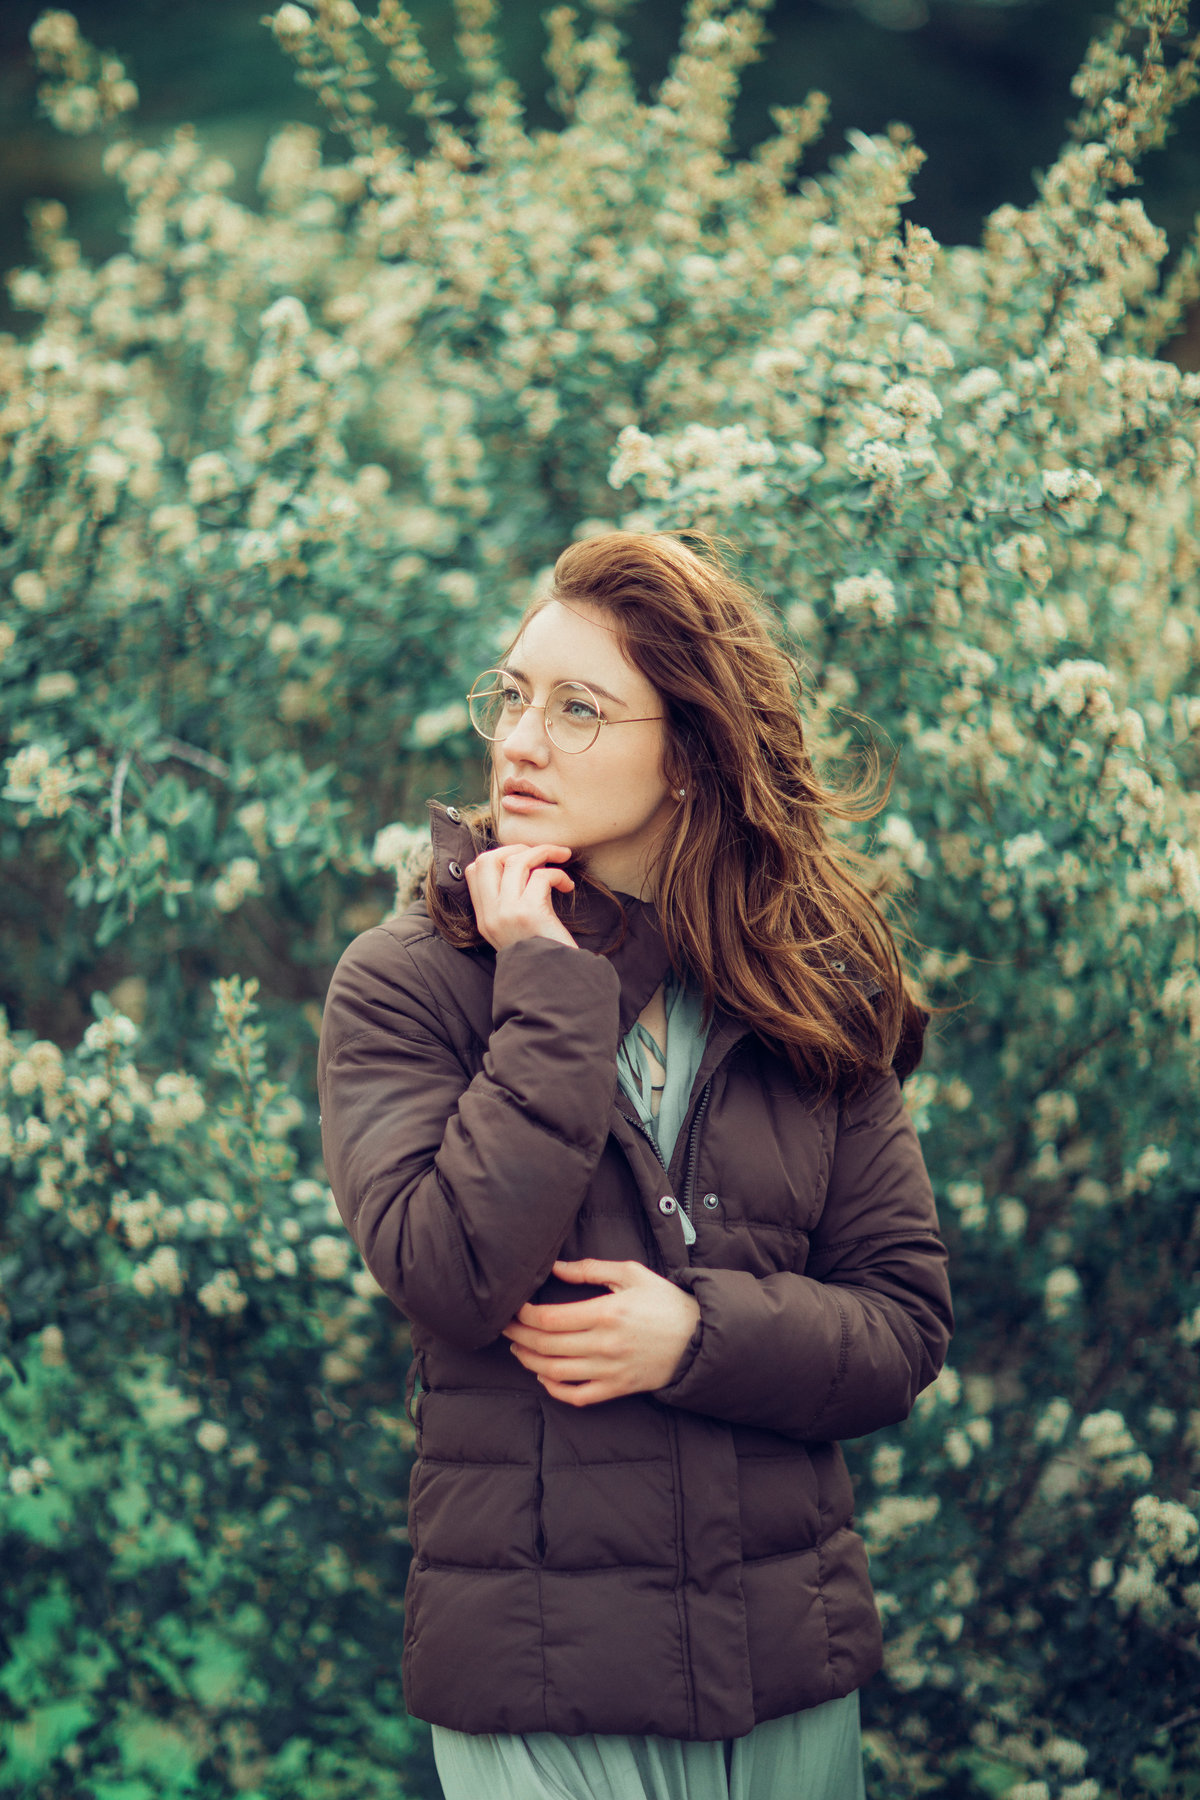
{"points": [[810, 1755]]}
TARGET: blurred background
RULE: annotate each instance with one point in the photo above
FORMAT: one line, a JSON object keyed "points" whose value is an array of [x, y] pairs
{"points": [[985, 84]]}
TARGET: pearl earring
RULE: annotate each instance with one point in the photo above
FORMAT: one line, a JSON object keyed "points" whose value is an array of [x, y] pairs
{"points": [[681, 792]]}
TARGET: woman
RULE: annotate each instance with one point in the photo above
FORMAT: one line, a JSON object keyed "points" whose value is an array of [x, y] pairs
{"points": [[613, 1113]]}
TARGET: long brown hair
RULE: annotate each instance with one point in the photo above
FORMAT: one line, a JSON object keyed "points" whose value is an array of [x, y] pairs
{"points": [[766, 913]]}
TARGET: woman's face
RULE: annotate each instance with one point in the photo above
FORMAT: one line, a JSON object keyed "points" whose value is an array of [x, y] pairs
{"points": [[609, 803]]}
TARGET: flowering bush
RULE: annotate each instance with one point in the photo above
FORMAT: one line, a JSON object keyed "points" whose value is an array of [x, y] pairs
{"points": [[198, 1395], [273, 486]]}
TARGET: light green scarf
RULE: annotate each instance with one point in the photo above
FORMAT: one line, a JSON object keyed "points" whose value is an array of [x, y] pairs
{"points": [[684, 1049]]}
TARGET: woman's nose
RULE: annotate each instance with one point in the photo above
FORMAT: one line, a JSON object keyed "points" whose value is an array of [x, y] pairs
{"points": [[527, 740]]}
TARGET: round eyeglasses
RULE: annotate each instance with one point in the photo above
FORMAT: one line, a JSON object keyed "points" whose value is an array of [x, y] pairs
{"points": [[571, 711]]}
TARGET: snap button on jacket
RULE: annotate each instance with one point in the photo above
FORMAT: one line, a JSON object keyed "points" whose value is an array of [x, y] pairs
{"points": [[682, 1562]]}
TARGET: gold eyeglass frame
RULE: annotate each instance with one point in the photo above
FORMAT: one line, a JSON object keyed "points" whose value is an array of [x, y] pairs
{"points": [[577, 687]]}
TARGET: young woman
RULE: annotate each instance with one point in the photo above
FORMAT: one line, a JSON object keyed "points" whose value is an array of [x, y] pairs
{"points": [[613, 1113]]}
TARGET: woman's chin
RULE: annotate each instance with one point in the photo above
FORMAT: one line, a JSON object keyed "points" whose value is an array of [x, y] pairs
{"points": [[512, 829]]}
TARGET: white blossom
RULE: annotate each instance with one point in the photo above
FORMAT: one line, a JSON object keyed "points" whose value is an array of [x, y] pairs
{"points": [[178, 1101], [26, 766], [1051, 1424], [222, 1295], [1061, 485], [1170, 1531], [441, 722], [1023, 849], [966, 1197], [209, 477], [977, 384], [913, 401], [161, 1273], [877, 460], [638, 458], [240, 879], [330, 1256], [111, 1032], [1062, 1287], [872, 592], [895, 1516], [887, 1465], [898, 835], [1078, 687]]}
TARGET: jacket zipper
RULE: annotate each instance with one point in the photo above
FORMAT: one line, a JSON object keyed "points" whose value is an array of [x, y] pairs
{"points": [[694, 1151], [539, 1485], [685, 1217]]}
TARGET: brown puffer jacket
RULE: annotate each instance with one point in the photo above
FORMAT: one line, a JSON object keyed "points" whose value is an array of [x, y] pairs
{"points": [[680, 1562]]}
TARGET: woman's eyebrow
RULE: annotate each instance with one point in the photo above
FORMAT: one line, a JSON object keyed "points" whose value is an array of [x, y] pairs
{"points": [[568, 681]]}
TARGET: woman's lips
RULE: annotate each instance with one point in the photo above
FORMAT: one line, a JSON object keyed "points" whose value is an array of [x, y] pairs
{"points": [[522, 803]]}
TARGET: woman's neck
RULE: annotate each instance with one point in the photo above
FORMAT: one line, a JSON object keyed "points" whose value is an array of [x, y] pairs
{"points": [[625, 877]]}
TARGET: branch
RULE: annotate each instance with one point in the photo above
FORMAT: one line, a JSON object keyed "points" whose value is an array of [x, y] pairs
{"points": [[118, 788], [212, 765]]}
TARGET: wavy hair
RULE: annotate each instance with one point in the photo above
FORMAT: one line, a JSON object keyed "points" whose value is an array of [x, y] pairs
{"points": [[760, 907]]}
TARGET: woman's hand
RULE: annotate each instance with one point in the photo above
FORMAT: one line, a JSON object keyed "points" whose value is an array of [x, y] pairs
{"points": [[510, 890], [626, 1342]]}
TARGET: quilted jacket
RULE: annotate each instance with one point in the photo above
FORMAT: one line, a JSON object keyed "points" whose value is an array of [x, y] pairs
{"points": [[680, 1562]]}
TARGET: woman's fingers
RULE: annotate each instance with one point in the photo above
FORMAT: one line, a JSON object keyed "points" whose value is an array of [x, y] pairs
{"points": [[513, 860], [518, 859], [565, 1315], [584, 1393], [552, 1343], [526, 881], [539, 886], [632, 1338], [510, 889], [594, 1272], [511, 864], [563, 1368]]}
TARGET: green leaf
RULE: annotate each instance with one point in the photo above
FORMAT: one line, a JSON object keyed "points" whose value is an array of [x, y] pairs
{"points": [[150, 1744], [46, 1624], [33, 1743], [1154, 1772], [991, 1774], [218, 1670], [129, 1505], [160, 1540], [89, 1668], [42, 1518]]}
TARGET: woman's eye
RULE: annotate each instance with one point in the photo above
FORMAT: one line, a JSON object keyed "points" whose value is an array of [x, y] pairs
{"points": [[582, 712], [512, 698]]}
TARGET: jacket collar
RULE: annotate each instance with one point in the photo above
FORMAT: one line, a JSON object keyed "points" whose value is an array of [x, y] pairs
{"points": [[624, 929], [454, 848]]}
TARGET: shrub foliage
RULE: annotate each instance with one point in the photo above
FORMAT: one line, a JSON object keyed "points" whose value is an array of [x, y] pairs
{"points": [[274, 483]]}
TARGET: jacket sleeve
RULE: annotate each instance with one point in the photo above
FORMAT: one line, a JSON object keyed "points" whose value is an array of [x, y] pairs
{"points": [[846, 1347], [433, 1170]]}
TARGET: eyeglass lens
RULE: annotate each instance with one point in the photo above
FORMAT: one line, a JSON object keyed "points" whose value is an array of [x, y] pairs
{"points": [[572, 713]]}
